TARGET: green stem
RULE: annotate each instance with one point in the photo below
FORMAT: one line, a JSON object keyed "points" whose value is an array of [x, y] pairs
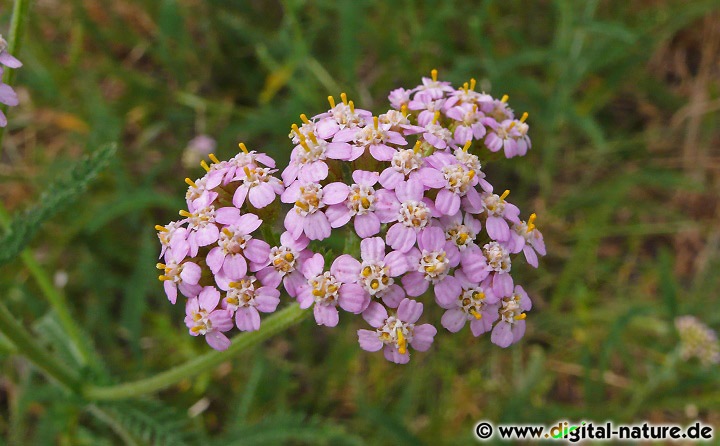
{"points": [[17, 26], [54, 297], [274, 324], [26, 344]]}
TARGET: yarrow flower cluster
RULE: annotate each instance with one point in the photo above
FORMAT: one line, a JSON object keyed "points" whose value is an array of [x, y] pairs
{"points": [[697, 340], [7, 94], [407, 184]]}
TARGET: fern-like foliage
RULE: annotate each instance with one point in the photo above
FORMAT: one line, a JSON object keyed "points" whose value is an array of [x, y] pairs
{"points": [[58, 195], [288, 428], [145, 422]]}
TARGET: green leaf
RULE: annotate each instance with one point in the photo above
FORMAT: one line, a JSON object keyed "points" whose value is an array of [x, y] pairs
{"points": [[58, 196]]}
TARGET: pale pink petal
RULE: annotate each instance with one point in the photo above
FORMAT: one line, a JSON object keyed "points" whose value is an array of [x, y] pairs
{"points": [[454, 320], [353, 298], [393, 295], [338, 215], [261, 195], [326, 315], [367, 225], [209, 298], [502, 284], [390, 178], [235, 266], [170, 291], [381, 152], [335, 193], [423, 337], [207, 235], [447, 202], [482, 325], [257, 251], [227, 215], [397, 263], [267, 299], [316, 226], [372, 249], [369, 340], [518, 330], [8, 60], [447, 291], [304, 296], [530, 256], [497, 228], [392, 355], [239, 196], [190, 273], [409, 310], [365, 178], [400, 237], [217, 340], [313, 266], [313, 172], [432, 178], [502, 335], [215, 259], [294, 223], [375, 314], [247, 319], [345, 268], [415, 283]]}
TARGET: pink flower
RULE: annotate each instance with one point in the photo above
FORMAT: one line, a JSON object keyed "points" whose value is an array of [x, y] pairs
{"points": [[459, 182], [400, 97], [512, 318], [433, 87], [432, 264], [470, 118], [429, 106], [374, 138], [202, 318], [498, 263], [527, 238], [497, 211], [409, 208], [258, 185], [326, 291], [307, 215], [340, 117], [396, 332], [307, 160], [360, 204], [246, 298], [173, 241], [284, 263], [461, 229], [409, 164], [375, 275], [438, 135], [200, 193], [7, 94], [506, 135], [475, 303], [235, 245], [184, 276]]}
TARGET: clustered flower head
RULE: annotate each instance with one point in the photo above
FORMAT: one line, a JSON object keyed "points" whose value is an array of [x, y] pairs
{"points": [[697, 340], [407, 191], [7, 94]]}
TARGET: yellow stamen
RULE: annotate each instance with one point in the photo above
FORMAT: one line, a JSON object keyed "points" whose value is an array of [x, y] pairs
{"points": [[205, 166], [304, 118], [296, 129], [190, 182], [227, 232], [472, 83], [524, 117], [465, 87], [243, 147], [365, 202], [505, 194], [512, 124], [375, 122], [504, 98], [374, 285], [164, 278], [343, 96], [247, 171], [196, 329], [471, 174], [233, 284], [531, 222], [436, 117], [404, 110], [161, 228], [331, 100], [312, 137], [366, 271], [520, 316], [416, 149], [185, 214], [160, 265], [351, 104], [317, 293], [304, 144], [475, 108], [433, 74], [213, 158], [289, 257], [430, 269], [467, 145], [476, 314], [402, 343]]}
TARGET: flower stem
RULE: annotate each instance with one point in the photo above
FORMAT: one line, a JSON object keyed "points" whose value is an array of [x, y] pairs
{"points": [[17, 25], [274, 324], [26, 344]]}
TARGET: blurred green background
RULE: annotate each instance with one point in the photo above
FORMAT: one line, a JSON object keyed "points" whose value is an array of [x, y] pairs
{"points": [[623, 98]]}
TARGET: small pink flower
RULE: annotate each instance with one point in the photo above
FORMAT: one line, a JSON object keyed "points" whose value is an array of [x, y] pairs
{"points": [[200, 193], [202, 318], [360, 204], [396, 332], [459, 182], [7, 94], [284, 263], [409, 164], [407, 206], [429, 106], [471, 126], [527, 238], [461, 229], [373, 138], [340, 117], [258, 185], [511, 327], [400, 97], [375, 275], [498, 261], [432, 264], [436, 89], [235, 245], [246, 298], [505, 135], [184, 276], [326, 291], [475, 303], [498, 212], [307, 160], [173, 241], [307, 215]]}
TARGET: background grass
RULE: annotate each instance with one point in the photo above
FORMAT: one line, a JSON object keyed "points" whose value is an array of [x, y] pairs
{"points": [[623, 98]]}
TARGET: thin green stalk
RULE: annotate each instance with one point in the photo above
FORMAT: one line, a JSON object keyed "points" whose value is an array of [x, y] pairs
{"points": [[26, 344], [54, 297], [14, 39], [274, 324]]}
